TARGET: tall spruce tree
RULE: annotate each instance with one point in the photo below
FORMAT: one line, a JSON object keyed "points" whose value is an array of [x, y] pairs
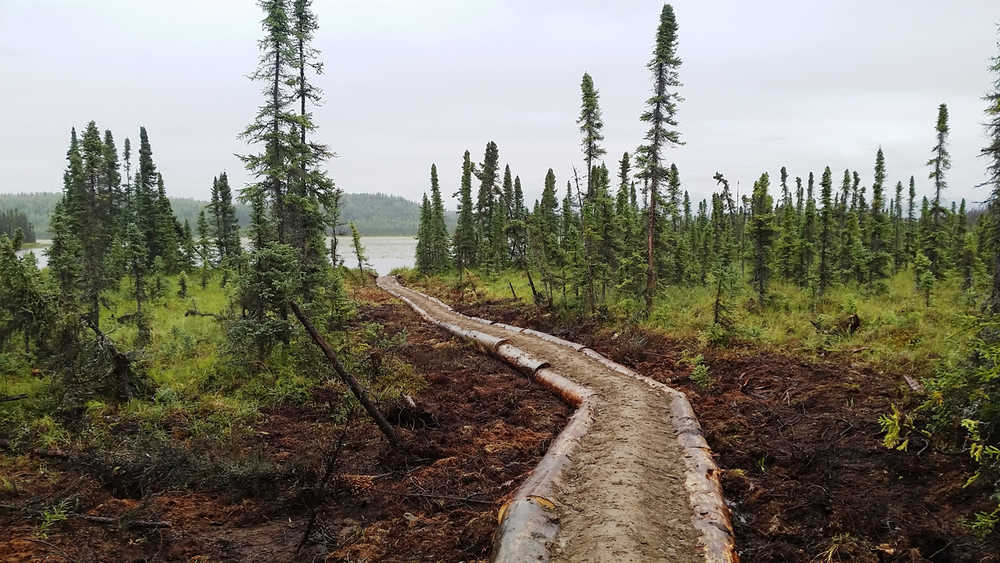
{"points": [[911, 231], [95, 221], [826, 237], [547, 235], [591, 123], [805, 269], [422, 254], [898, 232], [465, 245], [227, 228], [939, 163], [487, 202], [992, 153], [438, 231], [661, 117], [789, 225], [878, 253], [761, 232], [166, 230], [311, 196], [274, 126]]}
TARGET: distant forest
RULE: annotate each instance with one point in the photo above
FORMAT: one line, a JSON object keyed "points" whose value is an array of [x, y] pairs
{"points": [[12, 222], [374, 214]]}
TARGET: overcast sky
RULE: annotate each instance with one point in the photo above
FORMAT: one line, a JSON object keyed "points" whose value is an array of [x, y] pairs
{"points": [[803, 84]]}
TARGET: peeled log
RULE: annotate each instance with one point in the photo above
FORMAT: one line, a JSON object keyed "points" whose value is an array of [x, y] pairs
{"points": [[525, 362], [529, 523]]}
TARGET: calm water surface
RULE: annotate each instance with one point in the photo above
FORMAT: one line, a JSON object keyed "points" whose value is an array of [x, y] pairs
{"points": [[384, 253]]}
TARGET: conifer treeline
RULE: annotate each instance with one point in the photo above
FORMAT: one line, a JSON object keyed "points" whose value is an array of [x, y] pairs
{"points": [[107, 225], [13, 221], [600, 239]]}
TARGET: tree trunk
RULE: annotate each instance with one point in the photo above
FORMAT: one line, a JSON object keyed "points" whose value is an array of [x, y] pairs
{"points": [[383, 424]]}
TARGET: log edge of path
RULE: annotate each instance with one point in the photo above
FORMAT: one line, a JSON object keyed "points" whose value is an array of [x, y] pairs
{"points": [[610, 487]]}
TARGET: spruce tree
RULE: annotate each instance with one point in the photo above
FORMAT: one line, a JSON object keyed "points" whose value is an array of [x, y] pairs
{"points": [[203, 247], [826, 238], [898, 232], [188, 252], [569, 244], [591, 123], [166, 230], [311, 196], [807, 239], [66, 252], [137, 268], [940, 162], [505, 214], [273, 127], [992, 153], [789, 225], [910, 240], [466, 248], [761, 232], [547, 235], [662, 133], [517, 229], [961, 229], [423, 259], [878, 261], [486, 203], [359, 249], [438, 231], [228, 228], [95, 221]]}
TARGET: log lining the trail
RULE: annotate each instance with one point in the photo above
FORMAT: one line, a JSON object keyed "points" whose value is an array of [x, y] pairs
{"points": [[528, 526]]}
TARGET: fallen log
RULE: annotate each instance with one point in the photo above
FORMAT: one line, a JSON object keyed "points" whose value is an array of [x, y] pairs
{"points": [[96, 519], [441, 497], [5, 444], [13, 397], [197, 313], [383, 424]]}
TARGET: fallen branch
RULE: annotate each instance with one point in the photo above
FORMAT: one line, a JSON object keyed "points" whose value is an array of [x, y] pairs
{"points": [[442, 497], [54, 549], [383, 424], [13, 397], [5, 443], [197, 313], [96, 519], [330, 464]]}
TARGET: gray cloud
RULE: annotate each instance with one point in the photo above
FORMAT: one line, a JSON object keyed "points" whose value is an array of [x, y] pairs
{"points": [[803, 84]]}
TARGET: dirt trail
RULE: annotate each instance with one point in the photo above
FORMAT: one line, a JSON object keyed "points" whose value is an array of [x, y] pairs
{"points": [[623, 497]]}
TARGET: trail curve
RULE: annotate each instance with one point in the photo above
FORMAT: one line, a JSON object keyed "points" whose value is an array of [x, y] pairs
{"points": [[630, 478]]}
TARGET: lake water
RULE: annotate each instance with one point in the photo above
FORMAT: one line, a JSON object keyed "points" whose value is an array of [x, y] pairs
{"points": [[384, 253]]}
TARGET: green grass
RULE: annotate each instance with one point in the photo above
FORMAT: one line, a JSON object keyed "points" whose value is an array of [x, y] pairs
{"points": [[898, 332], [195, 385]]}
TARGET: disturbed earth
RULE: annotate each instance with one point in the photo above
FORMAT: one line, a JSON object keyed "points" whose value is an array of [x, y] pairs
{"points": [[479, 429], [624, 498], [805, 471], [806, 474]]}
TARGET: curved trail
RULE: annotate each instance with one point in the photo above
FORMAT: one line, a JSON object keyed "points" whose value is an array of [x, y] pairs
{"points": [[626, 493]]}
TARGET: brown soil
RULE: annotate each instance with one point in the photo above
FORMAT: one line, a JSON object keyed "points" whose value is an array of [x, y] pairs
{"points": [[480, 426], [806, 474]]}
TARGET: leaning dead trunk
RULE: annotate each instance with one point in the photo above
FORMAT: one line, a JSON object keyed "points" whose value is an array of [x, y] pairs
{"points": [[383, 424]]}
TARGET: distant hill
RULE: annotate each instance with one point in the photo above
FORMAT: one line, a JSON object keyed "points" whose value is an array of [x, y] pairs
{"points": [[374, 214]]}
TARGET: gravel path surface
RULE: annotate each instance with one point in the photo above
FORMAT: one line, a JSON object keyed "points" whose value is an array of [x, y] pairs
{"points": [[623, 498]]}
